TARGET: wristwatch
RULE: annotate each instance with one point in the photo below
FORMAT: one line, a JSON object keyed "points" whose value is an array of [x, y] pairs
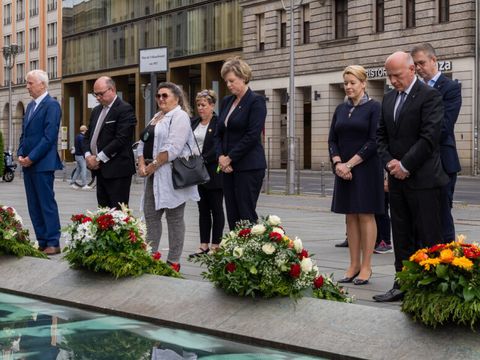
{"points": [[349, 166], [155, 162]]}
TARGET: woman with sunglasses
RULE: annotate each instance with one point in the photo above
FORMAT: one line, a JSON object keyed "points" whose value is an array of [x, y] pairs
{"points": [[210, 206], [167, 136]]}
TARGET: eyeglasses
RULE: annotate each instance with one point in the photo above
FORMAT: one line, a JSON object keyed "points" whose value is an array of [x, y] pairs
{"points": [[163, 96], [101, 93]]}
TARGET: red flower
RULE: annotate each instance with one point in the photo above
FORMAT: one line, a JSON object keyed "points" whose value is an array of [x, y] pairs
{"points": [[437, 247], [105, 221], [295, 270], [466, 245], [144, 246], [10, 211], [132, 236], [230, 267], [303, 254], [318, 282], [471, 252], [78, 218], [127, 219], [275, 236], [86, 219], [156, 255], [244, 232]]}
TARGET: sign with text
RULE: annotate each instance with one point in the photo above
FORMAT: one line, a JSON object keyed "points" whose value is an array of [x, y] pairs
{"points": [[153, 60], [380, 72]]}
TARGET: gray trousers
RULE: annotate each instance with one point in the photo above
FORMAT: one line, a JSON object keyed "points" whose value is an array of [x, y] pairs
{"points": [[175, 223]]}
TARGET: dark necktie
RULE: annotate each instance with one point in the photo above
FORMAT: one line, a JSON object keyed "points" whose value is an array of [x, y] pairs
{"points": [[400, 104]]}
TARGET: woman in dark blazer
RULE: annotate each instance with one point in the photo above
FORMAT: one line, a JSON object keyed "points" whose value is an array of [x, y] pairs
{"points": [[241, 156], [210, 206]]}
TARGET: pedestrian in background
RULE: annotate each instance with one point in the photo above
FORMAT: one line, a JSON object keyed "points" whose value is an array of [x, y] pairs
{"points": [[38, 156], [240, 152], [358, 189], [108, 144], [383, 245], [167, 136], [210, 207], [81, 162]]}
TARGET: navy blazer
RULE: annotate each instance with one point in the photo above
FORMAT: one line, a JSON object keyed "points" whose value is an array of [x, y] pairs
{"points": [[40, 135], [414, 137], [241, 139], [209, 153], [452, 102]]}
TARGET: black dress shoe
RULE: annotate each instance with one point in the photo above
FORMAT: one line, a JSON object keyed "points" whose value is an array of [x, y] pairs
{"points": [[200, 252], [359, 281], [347, 279], [389, 296], [342, 244]]}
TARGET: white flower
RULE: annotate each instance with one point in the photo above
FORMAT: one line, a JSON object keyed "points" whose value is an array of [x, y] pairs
{"points": [[268, 248], [238, 252], [224, 242], [278, 230], [306, 264], [258, 229], [297, 244], [315, 268], [273, 220]]}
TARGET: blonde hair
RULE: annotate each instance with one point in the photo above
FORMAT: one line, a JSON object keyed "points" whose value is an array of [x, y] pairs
{"points": [[208, 95], [356, 70], [239, 67]]}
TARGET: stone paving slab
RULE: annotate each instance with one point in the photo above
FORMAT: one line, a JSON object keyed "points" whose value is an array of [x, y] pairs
{"points": [[317, 327]]}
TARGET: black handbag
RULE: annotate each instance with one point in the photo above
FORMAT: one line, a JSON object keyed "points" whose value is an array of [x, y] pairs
{"points": [[189, 171]]}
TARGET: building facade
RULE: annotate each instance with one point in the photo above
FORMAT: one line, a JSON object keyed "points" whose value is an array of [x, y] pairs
{"points": [[332, 34], [104, 38], [36, 27]]}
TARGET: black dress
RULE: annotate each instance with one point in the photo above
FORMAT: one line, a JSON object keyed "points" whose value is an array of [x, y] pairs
{"points": [[353, 131]]}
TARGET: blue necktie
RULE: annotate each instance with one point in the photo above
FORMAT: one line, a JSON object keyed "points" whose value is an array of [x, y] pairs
{"points": [[400, 104]]}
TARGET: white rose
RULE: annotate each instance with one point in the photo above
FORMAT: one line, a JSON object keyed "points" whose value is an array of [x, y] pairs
{"points": [[258, 229], [278, 230], [297, 244], [268, 248], [273, 220], [238, 252], [306, 264]]}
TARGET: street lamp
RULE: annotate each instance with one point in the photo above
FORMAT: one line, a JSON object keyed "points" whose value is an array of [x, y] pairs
{"points": [[9, 54], [291, 101]]}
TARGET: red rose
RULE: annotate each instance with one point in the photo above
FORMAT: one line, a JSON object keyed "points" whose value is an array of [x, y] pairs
{"points": [[127, 219], [303, 254], [156, 255], [230, 267], [318, 282], [105, 221], [132, 236], [10, 211], [244, 232], [295, 270], [86, 219], [78, 217], [437, 247], [275, 236]]}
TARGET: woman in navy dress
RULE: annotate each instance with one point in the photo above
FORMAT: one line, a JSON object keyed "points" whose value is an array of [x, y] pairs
{"points": [[358, 190]]}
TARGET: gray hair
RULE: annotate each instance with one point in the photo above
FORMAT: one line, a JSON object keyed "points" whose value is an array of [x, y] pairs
{"points": [[40, 75], [178, 93]]}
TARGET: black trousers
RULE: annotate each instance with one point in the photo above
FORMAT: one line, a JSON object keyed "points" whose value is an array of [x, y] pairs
{"points": [[383, 224], [241, 190], [416, 220], [211, 216], [112, 192], [448, 226]]}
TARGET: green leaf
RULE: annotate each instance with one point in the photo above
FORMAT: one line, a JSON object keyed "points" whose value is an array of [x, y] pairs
{"points": [[468, 294], [441, 271]]}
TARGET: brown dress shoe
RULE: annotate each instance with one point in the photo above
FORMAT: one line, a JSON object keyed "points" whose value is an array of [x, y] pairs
{"points": [[52, 250]]}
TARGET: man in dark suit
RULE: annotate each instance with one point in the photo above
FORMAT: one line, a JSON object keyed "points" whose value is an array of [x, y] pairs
{"points": [[38, 155], [427, 67], [108, 144], [408, 143]]}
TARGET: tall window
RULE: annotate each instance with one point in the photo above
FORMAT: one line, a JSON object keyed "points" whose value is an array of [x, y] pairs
{"points": [[33, 7], [21, 41], [410, 13], [306, 24], [52, 67], [261, 32], [20, 73], [444, 11], [341, 19], [7, 40], [283, 29], [51, 5], [20, 10], [379, 15], [7, 16], [33, 64], [52, 34], [34, 38]]}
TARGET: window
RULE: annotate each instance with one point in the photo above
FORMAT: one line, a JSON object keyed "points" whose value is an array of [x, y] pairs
{"points": [[379, 15], [7, 16], [51, 5], [52, 67], [21, 41], [261, 32], [20, 73], [341, 19], [33, 7], [444, 11], [7, 40], [33, 64], [306, 24], [410, 13], [34, 38], [52, 34], [20, 10], [283, 29]]}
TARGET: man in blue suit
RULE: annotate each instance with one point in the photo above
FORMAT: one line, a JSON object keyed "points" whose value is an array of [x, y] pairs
{"points": [[427, 67], [38, 156]]}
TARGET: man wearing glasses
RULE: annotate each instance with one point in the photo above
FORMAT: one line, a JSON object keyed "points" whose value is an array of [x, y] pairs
{"points": [[108, 142]]}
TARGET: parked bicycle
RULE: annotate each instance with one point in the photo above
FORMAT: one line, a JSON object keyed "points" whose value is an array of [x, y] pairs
{"points": [[90, 179]]}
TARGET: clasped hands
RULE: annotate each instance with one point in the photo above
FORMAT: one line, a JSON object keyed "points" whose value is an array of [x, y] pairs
{"points": [[147, 170], [225, 164], [92, 162], [343, 171], [25, 161], [395, 170]]}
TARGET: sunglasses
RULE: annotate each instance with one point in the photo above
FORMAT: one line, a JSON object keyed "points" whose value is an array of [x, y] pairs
{"points": [[100, 94], [163, 96]]}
